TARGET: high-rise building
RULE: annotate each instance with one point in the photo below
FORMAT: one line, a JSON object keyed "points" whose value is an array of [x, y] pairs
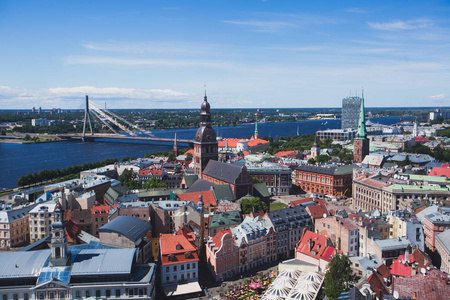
{"points": [[351, 107], [361, 142], [205, 144]]}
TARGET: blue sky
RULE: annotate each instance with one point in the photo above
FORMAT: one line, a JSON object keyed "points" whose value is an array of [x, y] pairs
{"points": [[250, 54]]}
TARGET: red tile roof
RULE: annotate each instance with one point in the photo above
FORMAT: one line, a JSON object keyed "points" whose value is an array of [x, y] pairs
{"points": [[440, 172], [174, 249], [375, 183], [421, 259], [434, 285], [299, 201], [72, 230], [144, 172], [313, 244], [231, 143], [218, 238], [399, 268], [318, 211], [377, 284], [384, 271], [421, 139], [329, 253], [207, 198]]}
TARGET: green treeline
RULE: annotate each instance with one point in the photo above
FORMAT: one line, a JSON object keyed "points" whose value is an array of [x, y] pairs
{"points": [[61, 174]]}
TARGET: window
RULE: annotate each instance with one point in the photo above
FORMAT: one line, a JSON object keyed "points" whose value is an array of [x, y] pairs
{"points": [[88, 294], [193, 275], [193, 265], [97, 293], [25, 296], [174, 268], [182, 267], [117, 293], [188, 266], [174, 277], [15, 297], [167, 269], [108, 293], [167, 279], [78, 294]]}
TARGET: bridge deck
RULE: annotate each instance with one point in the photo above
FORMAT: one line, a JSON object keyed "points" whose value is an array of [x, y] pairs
{"points": [[122, 137]]}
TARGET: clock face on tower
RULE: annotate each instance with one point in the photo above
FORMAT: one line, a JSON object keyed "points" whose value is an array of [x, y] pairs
{"points": [[209, 138], [198, 138]]}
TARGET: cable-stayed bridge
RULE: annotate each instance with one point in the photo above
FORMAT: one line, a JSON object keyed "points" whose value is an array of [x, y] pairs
{"points": [[121, 128]]}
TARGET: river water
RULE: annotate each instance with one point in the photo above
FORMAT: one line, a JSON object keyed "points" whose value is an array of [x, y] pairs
{"points": [[19, 159]]}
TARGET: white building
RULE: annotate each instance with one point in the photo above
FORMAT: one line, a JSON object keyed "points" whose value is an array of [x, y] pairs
{"points": [[42, 217]]}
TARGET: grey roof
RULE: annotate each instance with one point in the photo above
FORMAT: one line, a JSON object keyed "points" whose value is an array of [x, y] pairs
{"points": [[444, 239], [22, 264], [8, 216], [393, 244], [103, 261], [131, 227], [222, 171], [200, 185], [289, 217]]}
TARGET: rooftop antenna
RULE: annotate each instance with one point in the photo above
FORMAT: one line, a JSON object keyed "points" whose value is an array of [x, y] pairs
{"points": [[105, 105], [205, 89]]}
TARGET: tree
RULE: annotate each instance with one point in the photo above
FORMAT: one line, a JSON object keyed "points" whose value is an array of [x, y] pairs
{"points": [[311, 161], [257, 180], [339, 277], [154, 182], [189, 157], [323, 158], [253, 204]]}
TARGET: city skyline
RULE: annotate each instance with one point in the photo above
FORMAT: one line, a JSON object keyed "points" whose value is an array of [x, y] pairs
{"points": [[271, 54]]}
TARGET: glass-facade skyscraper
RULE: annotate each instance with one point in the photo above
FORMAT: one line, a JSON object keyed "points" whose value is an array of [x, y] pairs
{"points": [[350, 112]]}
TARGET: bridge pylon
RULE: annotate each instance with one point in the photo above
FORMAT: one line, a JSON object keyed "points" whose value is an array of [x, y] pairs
{"points": [[87, 118]]}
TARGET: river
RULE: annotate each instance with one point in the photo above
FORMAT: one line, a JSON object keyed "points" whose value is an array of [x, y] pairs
{"points": [[19, 159]]}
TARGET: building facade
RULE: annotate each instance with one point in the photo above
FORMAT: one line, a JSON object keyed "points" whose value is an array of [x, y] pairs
{"points": [[331, 180], [276, 178], [222, 255], [343, 233], [14, 227], [351, 107]]}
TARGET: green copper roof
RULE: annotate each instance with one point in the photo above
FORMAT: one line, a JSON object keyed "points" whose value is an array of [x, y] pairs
{"points": [[416, 177], [227, 218], [362, 133], [407, 187], [256, 127]]}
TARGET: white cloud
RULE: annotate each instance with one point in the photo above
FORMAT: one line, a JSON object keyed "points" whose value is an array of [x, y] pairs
{"points": [[355, 10], [263, 26], [401, 25], [101, 60], [437, 97], [143, 47], [72, 97]]}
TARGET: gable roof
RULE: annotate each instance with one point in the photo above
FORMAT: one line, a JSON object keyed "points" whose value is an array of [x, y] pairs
{"points": [[207, 198], [223, 191], [228, 218], [318, 210], [200, 185], [174, 248], [130, 227], [222, 171], [377, 284], [260, 190], [313, 244], [440, 172]]}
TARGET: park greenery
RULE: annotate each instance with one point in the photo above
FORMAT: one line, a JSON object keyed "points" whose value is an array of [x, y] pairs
{"points": [[339, 277], [129, 179], [253, 204], [60, 174]]}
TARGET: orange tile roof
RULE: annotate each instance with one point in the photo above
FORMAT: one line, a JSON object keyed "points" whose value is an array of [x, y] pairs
{"points": [[232, 143], [300, 201], [217, 239], [144, 172], [101, 209], [283, 153], [190, 151], [168, 245], [207, 197], [256, 142]]}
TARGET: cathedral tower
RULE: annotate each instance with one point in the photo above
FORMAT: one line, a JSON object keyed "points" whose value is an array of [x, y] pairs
{"points": [[205, 144], [361, 142], [60, 254], [315, 149]]}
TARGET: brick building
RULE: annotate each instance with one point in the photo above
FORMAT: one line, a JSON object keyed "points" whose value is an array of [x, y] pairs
{"points": [[434, 224], [276, 178], [328, 180], [236, 176]]}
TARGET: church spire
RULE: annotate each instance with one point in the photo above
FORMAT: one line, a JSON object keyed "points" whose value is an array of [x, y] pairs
{"points": [[362, 133], [256, 127]]}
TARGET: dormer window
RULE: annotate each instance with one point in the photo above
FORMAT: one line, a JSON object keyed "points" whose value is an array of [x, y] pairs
{"points": [[188, 255], [179, 247], [171, 257]]}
